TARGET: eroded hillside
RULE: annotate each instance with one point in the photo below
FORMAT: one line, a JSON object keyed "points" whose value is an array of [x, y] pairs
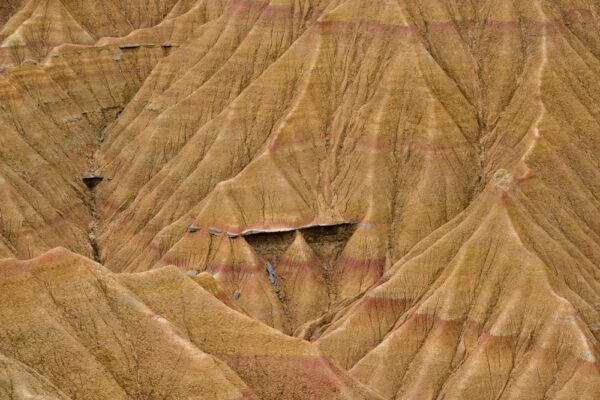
{"points": [[300, 199]]}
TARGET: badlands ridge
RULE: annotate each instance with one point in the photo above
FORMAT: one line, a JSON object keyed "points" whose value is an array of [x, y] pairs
{"points": [[299, 199]]}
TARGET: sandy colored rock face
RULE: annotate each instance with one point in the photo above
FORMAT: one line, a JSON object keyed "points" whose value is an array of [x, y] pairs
{"points": [[299, 199]]}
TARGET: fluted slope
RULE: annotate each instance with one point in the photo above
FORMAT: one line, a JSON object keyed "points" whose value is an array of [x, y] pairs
{"points": [[91, 334], [411, 185]]}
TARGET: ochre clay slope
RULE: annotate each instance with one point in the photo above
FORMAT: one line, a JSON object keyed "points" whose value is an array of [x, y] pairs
{"points": [[40, 25], [8, 8], [52, 117], [84, 332], [300, 199], [70, 320]]}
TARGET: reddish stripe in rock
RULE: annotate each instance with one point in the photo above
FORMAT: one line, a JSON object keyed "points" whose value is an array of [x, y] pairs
{"points": [[345, 262], [14, 267], [156, 249], [278, 11], [248, 5], [575, 14], [474, 330], [539, 352], [234, 268], [433, 321], [397, 305]]}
